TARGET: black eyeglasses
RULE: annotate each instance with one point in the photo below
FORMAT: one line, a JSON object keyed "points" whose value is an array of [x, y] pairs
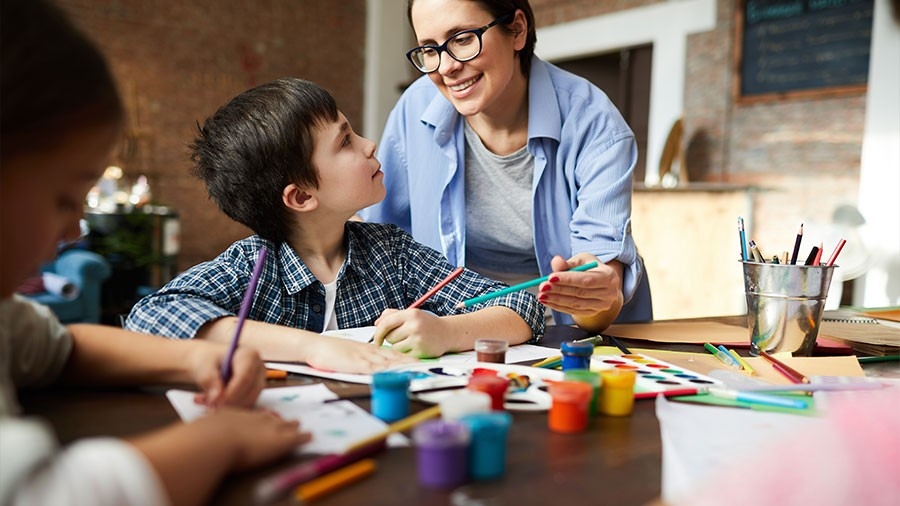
{"points": [[461, 46]]}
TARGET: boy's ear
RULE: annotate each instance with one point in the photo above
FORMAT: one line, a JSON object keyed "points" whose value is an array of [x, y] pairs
{"points": [[298, 199]]}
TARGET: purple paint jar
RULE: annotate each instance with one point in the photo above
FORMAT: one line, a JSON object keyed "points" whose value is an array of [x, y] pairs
{"points": [[442, 453]]}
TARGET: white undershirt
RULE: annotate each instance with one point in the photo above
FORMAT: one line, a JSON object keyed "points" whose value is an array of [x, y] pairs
{"points": [[330, 297]]}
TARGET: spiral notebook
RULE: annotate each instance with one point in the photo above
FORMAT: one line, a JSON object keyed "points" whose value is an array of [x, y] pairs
{"points": [[869, 332]]}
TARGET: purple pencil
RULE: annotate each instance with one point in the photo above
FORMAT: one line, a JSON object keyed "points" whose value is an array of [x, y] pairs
{"points": [[242, 315]]}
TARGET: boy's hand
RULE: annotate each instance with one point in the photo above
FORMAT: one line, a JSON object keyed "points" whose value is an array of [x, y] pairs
{"points": [[412, 331], [335, 354], [247, 379]]}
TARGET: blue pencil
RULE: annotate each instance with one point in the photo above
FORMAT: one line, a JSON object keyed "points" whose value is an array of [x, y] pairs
{"points": [[515, 288], [744, 256], [225, 371]]}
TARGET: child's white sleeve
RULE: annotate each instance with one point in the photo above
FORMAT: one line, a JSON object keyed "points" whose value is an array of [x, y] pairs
{"points": [[94, 472]]}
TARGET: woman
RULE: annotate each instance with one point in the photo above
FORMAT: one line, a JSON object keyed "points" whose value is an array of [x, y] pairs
{"points": [[512, 166]]}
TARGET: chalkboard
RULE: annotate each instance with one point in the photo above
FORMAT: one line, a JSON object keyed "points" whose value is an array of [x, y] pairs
{"points": [[801, 48]]}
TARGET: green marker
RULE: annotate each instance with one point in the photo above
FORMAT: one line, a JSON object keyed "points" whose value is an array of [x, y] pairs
{"points": [[515, 288]]}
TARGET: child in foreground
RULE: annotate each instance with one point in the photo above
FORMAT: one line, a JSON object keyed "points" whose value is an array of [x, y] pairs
{"points": [[281, 159], [60, 119]]}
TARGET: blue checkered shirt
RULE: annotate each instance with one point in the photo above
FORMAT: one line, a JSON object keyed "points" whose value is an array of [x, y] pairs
{"points": [[385, 268]]}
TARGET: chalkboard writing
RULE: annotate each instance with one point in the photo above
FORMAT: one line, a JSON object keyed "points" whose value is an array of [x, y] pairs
{"points": [[788, 46]]}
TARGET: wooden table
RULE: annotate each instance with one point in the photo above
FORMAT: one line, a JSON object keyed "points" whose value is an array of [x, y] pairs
{"points": [[616, 461]]}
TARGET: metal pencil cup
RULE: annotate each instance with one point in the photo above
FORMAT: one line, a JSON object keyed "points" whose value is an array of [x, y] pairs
{"points": [[785, 305]]}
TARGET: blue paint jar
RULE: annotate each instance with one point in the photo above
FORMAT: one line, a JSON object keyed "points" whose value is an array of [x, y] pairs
{"points": [[487, 448], [390, 395], [576, 355]]}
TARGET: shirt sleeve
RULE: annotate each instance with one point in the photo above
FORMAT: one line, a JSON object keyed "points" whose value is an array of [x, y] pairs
{"points": [[201, 294], [92, 472], [425, 268]]}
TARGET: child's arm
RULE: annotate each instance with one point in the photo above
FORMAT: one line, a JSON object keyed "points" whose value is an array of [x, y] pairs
{"points": [[192, 459], [103, 355], [422, 334], [285, 344]]}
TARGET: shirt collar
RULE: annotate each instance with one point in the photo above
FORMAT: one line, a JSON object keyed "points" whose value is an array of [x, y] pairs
{"points": [[543, 114]]}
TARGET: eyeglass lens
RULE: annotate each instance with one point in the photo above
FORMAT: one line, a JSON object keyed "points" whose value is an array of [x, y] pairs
{"points": [[463, 46]]}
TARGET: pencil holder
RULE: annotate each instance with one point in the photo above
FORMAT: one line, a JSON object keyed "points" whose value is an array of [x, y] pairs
{"points": [[487, 448], [785, 303], [390, 395], [441, 453]]}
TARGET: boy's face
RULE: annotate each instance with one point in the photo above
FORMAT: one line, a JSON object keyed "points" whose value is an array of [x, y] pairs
{"points": [[350, 176], [42, 199]]}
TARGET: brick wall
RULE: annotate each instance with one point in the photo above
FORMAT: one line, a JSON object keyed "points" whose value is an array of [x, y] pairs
{"points": [[177, 62]]}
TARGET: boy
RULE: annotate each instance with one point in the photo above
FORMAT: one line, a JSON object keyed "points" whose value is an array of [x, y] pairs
{"points": [[283, 160], [60, 119]]}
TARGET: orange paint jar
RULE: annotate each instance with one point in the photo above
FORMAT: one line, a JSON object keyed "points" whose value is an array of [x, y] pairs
{"points": [[570, 407]]}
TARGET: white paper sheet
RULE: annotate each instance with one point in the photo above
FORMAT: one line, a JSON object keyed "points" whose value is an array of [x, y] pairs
{"points": [[334, 425]]}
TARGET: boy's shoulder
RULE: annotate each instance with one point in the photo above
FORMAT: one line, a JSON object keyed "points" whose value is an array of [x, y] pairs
{"points": [[372, 230]]}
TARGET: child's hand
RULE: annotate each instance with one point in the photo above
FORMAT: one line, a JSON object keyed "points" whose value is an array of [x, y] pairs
{"points": [[256, 437], [247, 379], [418, 333], [335, 354]]}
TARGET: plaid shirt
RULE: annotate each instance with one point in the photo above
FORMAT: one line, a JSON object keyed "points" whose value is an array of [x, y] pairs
{"points": [[385, 268]]}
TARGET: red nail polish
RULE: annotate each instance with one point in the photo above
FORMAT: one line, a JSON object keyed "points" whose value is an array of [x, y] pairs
{"points": [[545, 288], [543, 297], [554, 279]]}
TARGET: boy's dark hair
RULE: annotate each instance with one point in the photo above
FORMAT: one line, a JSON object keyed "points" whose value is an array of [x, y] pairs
{"points": [[257, 144], [52, 79], [499, 8]]}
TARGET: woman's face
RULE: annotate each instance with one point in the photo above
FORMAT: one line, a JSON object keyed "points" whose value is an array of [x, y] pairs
{"points": [[42, 200], [478, 85]]}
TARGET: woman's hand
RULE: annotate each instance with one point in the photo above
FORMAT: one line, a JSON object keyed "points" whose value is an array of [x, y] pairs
{"points": [[593, 298], [248, 375]]}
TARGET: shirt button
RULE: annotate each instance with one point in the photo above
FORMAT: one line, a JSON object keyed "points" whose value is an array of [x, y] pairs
{"points": [[317, 308]]}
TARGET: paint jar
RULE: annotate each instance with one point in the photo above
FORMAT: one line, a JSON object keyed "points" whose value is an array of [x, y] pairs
{"points": [[441, 453], [464, 402], [569, 408], [590, 377], [495, 386], [576, 355], [390, 395], [491, 350], [616, 392], [487, 448]]}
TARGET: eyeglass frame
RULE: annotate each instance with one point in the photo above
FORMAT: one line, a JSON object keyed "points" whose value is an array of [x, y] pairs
{"points": [[506, 18]]}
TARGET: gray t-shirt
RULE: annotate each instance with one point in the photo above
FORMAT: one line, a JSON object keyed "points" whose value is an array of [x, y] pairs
{"points": [[499, 228]]}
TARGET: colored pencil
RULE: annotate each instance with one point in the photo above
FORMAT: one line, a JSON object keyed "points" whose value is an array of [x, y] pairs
{"points": [[225, 370], [272, 488], [450, 277], [797, 246], [811, 258], [740, 360], [618, 344], [675, 392], [818, 260], [515, 288], [335, 480], [759, 399], [276, 374], [757, 253], [398, 426], [789, 372], [743, 237], [837, 251]]}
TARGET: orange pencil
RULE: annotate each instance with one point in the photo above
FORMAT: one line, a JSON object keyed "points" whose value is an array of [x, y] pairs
{"points": [[442, 284], [333, 481]]}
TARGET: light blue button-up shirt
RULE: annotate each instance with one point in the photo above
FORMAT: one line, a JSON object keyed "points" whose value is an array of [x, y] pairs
{"points": [[584, 157]]}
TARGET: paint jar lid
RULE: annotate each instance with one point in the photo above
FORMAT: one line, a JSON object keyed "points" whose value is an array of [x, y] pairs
{"points": [[393, 380], [464, 402], [577, 348], [493, 424], [571, 391], [441, 434]]}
